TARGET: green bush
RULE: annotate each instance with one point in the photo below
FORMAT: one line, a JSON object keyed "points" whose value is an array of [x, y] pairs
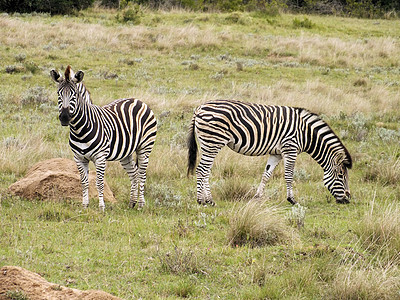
{"points": [[305, 23], [131, 14]]}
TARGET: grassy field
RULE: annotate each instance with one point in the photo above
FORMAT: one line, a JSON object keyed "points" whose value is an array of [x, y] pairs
{"points": [[347, 70]]}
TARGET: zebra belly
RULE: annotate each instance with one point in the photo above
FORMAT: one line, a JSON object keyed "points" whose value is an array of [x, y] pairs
{"points": [[251, 151]]}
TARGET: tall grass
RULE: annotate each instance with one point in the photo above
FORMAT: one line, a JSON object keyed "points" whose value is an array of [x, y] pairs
{"points": [[359, 278], [258, 224], [379, 229]]}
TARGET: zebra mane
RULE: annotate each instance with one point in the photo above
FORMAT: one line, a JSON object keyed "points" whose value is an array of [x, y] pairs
{"points": [[83, 90], [347, 162], [67, 74]]}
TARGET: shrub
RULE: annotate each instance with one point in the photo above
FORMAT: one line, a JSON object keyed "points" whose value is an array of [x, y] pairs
{"points": [[36, 96], [257, 224], [20, 57], [305, 23], [131, 14], [14, 69], [179, 261]]}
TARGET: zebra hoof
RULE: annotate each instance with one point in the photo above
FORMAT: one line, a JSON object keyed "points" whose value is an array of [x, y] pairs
{"points": [[102, 208], [132, 204], [291, 201], [210, 202], [85, 206]]}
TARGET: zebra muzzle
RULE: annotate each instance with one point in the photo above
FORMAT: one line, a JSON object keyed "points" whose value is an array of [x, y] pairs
{"points": [[64, 117]]}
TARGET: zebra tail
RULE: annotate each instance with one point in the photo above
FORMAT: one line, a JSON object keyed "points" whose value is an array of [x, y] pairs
{"points": [[192, 145]]}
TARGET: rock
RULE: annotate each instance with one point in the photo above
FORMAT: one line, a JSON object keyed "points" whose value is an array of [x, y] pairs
{"points": [[57, 179], [34, 287]]}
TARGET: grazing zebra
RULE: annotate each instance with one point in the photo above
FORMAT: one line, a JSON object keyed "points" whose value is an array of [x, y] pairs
{"points": [[256, 130], [112, 132]]}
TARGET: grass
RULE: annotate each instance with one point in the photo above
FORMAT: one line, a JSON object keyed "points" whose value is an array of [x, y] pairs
{"points": [[258, 225], [345, 69]]}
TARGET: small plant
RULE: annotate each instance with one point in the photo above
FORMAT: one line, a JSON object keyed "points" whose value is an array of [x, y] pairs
{"points": [[205, 219], [301, 175], [16, 295], [31, 67], [296, 216], [20, 57], [179, 261], [164, 196], [257, 224], [184, 289], [305, 23]]}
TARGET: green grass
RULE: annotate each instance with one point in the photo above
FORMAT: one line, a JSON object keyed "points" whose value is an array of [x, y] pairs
{"points": [[345, 69]]}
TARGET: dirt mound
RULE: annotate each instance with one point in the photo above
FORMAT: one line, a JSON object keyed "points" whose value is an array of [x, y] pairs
{"points": [[15, 280], [57, 179]]}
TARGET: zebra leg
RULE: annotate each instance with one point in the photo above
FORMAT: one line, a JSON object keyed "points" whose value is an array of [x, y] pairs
{"points": [[289, 159], [143, 161], [203, 175], [130, 167], [83, 168], [100, 164], [272, 162]]}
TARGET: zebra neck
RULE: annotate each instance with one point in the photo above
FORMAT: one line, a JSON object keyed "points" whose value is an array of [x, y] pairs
{"points": [[82, 118], [322, 154], [321, 143]]}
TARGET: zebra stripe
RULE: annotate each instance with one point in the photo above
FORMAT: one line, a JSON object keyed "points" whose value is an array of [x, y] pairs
{"points": [[283, 132], [112, 132]]}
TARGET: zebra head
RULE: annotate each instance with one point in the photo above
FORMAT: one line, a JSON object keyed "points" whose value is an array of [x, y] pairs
{"points": [[336, 178], [67, 93]]}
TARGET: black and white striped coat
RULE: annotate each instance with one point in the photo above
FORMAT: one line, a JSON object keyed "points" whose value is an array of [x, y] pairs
{"points": [[256, 130], [112, 132]]}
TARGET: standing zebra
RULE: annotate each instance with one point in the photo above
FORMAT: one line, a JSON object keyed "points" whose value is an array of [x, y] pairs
{"points": [[256, 130], [112, 132]]}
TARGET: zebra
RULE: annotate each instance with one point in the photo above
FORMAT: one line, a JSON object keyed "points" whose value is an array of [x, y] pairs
{"points": [[283, 132], [99, 134]]}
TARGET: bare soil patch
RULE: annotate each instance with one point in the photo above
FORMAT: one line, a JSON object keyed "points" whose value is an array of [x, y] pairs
{"points": [[16, 280], [57, 179]]}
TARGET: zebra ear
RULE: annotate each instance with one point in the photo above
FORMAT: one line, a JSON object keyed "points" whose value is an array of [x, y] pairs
{"points": [[56, 76], [78, 76]]}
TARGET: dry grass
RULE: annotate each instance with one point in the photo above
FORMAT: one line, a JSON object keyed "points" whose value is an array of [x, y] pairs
{"points": [[371, 284], [21, 153], [258, 224], [379, 229], [358, 278], [385, 170], [319, 97], [312, 49]]}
